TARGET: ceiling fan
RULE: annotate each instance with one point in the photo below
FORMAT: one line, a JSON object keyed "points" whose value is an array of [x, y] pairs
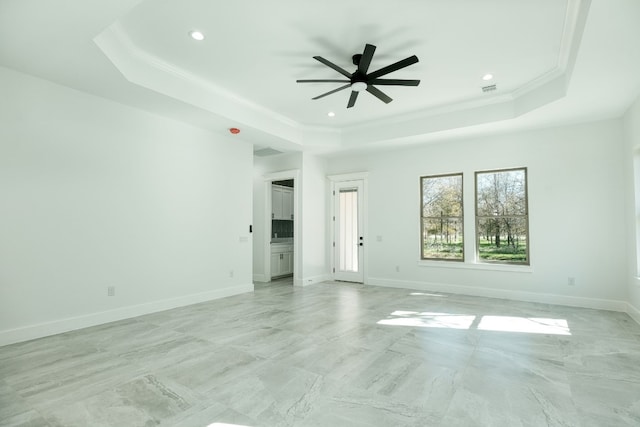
{"points": [[360, 80]]}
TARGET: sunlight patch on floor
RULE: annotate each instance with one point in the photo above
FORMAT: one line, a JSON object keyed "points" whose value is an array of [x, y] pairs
{"points": [[429, 320], [529, 325]]}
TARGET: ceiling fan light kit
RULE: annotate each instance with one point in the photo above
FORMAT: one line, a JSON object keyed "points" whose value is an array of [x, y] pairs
{"points": [[359, 80], [358, 86]]}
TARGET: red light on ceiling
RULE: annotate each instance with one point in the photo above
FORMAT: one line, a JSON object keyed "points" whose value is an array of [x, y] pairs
{"points": [[234, 131]]}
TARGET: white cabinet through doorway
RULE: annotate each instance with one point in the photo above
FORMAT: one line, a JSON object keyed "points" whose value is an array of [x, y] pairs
{"points": [[281, 202], [281, 259]]}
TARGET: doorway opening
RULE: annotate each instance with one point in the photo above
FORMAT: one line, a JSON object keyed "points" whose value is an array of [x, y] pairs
{"points": [[281, 227]]}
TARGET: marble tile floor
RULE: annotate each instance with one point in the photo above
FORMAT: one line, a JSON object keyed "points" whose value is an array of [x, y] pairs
{"points": [[333, 354]]}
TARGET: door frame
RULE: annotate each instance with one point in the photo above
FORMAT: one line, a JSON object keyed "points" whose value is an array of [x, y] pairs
{"points": [[268, 180], [334, 179]]}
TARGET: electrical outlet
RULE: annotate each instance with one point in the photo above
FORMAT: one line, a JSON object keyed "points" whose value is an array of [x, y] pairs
{"points": [[397, 269], [230, 273], [378, 238], [571, 281], [111, 291]]}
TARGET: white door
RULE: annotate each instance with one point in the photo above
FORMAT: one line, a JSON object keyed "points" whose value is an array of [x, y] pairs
{"points": [[276, 202], [275, 264], [287, 263], [287, 203], [348, 231]]}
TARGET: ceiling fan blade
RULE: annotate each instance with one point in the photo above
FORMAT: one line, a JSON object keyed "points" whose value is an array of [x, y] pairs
{"points": [[334, 66], [379, 94], [393, 67], [366, 58], [332, 91], [394, 82], [323, 81], [352, 99]]}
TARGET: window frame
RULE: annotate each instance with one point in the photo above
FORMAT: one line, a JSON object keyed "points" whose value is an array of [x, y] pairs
{"points": [[460, 218], [525, 216]]}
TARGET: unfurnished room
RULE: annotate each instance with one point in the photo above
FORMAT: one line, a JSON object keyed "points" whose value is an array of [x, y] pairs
{"points": [[301, 213]]}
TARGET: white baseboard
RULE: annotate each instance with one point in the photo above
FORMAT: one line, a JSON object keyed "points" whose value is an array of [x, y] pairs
{"points": [[600, 304], [260, 278], [633, 312], [306, 281], [40, 330]]}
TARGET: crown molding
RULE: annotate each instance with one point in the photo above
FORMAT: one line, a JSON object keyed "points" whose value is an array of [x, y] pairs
{"points": [[146, 70]]}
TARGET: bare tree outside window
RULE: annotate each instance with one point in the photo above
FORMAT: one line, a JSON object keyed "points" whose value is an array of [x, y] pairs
{"points": [[502, 217], [441, 212]]}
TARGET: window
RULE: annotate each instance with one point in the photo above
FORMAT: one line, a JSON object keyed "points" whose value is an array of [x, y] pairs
{"points": [[441, 211], [502, 218]]}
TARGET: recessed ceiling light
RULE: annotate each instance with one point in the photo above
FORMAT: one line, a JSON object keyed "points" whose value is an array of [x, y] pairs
{"points": [[331, 114], [197, 35], [487, 77]]}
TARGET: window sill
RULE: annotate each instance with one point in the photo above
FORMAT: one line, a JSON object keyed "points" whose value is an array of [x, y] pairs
{"points": [[476, 266]]}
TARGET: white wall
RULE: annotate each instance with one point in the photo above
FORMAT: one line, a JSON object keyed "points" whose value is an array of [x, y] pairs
{"points": [[577, 229], [632, 168], [95, 194], [314, 194]]}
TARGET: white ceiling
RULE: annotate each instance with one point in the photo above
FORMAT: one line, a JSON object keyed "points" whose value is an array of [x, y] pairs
{"points": [[554, 62]]}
